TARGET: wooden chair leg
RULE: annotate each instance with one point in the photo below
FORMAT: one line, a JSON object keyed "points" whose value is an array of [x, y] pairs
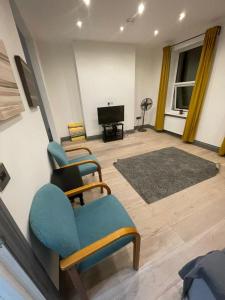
{"points": [[81, 200], [75, 277], [100, 178], [136, 251]]}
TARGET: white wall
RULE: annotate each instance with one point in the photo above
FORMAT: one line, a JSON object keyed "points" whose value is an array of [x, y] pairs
{"points": [[174, 124], [156, 57], [61, 82], [57, 63], [30, 43], [23, 140], [106, 72], [143, 81], [211, 127], [38, 71]]}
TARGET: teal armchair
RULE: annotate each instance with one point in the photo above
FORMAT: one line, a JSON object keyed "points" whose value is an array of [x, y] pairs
{"points": [[87, 164], [82, 236]]}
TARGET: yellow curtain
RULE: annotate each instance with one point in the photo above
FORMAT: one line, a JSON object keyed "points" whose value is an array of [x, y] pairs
{"points": [[201, 82], [159, 122], [222, 148]]}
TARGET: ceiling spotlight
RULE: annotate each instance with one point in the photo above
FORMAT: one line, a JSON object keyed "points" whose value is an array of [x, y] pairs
{"points": [[121, 28], [182, 16], [156, 32], [141, 8], [87, 2], [79, 24]]}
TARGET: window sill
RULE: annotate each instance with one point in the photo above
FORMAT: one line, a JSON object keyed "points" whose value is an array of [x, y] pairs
{"points": [[176, 114]]}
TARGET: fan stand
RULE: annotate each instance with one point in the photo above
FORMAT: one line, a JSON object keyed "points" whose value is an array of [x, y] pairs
{"points": [[141, 128]]}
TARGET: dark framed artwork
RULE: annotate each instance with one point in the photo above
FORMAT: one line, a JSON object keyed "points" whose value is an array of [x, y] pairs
{"points": [[28, 82]]}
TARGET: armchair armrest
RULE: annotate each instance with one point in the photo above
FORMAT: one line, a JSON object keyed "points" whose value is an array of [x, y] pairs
{"points": [[83, 162], [82, 254], [87, 162], [79, 148], [87, 187]]}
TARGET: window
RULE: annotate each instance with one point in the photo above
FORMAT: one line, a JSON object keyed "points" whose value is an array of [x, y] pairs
{"points": [[187, 66]]}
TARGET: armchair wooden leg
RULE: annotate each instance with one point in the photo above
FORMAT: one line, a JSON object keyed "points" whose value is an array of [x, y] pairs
{"points": [[100, 178], [136, 251], [75, 277]]}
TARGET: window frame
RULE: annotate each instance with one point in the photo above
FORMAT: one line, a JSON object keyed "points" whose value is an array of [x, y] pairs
{"points": [[175, 86], [175, 52]]}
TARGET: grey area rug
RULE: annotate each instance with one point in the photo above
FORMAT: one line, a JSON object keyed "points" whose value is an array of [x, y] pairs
{"points": [[158, 174]]}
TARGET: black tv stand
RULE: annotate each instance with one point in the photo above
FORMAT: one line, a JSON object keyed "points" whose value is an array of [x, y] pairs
{"points": [[112, 132]]}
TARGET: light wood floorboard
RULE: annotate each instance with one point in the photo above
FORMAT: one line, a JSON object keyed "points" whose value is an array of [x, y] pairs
{"points": [[174, 229]]}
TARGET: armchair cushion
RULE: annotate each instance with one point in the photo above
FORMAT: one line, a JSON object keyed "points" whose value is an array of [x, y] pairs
{"points": [[52, 220], [98, 219], [56, 150], [86, 168], [66, 230]]}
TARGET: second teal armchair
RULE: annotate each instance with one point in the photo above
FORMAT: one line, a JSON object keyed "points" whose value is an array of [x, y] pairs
{"points": [[87, 164]]}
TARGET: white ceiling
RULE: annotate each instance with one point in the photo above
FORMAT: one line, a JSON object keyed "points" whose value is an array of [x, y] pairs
{"points": [[56, 19]]}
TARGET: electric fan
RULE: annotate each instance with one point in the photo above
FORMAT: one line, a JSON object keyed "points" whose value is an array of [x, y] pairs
{"points": [[146, 104]]}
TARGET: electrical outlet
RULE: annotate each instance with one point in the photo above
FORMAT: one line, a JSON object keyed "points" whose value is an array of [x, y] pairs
{"points": [[4, 177]]}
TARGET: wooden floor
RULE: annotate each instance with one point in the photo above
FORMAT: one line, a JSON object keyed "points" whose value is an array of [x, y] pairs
{"points": [[174, 229]]}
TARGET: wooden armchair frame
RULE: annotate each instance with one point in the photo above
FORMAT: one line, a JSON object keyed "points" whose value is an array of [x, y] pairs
{"points": [[78, 148], [88, 187], [69, 263]]}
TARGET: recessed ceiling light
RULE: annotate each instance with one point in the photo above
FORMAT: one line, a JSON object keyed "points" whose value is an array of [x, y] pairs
{"points": [[182, 16], [79, 24], [141, 8], [87, 2], [156, 32], [121, 28]]}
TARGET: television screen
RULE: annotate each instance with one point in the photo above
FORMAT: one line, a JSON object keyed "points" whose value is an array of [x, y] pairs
{"points": [[110, 114]]}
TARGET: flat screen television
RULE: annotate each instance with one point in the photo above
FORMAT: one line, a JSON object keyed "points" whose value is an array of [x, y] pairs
{"points": [[110, 114]]}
